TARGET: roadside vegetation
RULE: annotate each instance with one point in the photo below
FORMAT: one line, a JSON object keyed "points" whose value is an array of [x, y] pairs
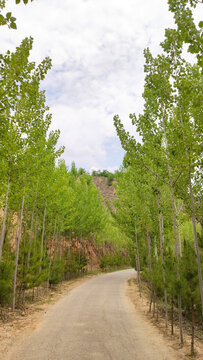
{"points": [[159, 188], [52, 218]]}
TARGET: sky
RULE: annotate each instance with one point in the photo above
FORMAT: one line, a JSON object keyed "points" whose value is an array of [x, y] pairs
{"points": [[96, 47]]}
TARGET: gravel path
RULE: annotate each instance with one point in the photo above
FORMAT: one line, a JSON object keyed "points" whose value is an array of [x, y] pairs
{"points": [[94, 321]]}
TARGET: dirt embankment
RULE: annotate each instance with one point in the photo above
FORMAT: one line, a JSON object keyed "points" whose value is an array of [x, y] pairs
{"points": [[141, 304], [107, 192]]}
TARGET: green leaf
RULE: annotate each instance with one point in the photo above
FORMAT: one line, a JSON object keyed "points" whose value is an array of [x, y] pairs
{"points": [[8, 15], [17, 1], [201, 24], [13, 26]]}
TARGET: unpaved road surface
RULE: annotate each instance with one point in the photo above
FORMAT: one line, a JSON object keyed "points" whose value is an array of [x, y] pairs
{"points": [[93, 321]]}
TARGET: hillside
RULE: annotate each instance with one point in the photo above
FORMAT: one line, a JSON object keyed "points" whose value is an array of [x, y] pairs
{"points": [[107, 192]]}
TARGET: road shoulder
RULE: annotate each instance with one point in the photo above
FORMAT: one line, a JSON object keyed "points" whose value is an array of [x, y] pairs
{"points": [[140, 306], [25, 320]]}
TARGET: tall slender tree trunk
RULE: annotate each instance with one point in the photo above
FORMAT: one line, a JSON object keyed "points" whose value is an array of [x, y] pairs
{"points": [[31, 226], [149, 252], [172, 316], [155, 249], [17, 254], [79, 249], [137, 261], [196, 246], [58, 241], [30, 237], [35, 233], [60, 244], [42, 238], [160, 218], [154, 303], [174, 230], [179, 239], [49, 270], [61, 240], [88, 253], [193, 328], [180, 319], [150, 271], [3, 228], [51, 254], [24, 262], [54, 238]]}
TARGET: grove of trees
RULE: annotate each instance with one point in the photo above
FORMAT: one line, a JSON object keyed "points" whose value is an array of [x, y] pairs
{"points": [[157, 216], [159, 189], [51, 217]]}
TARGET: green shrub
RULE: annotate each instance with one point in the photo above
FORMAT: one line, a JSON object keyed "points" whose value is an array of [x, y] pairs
{"points": [[57, 271], [116, 260], [6, 282], [75, 262]]}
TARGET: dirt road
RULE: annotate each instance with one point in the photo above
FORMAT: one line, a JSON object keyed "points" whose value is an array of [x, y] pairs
{"points": [[95, 321]]}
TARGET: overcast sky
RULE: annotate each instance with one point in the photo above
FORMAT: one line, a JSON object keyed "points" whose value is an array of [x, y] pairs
{"points": [[96, 47]]}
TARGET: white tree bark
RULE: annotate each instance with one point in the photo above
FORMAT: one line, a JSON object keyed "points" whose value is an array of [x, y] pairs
{"points": [[196, 246], [160, 218], [42, 238], [137, 261], [17, 254], [3, 228], [174, 230]]}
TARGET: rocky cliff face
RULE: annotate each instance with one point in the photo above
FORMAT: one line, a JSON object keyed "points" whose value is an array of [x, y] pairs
{"points": [[92, 253], [107, 192]]}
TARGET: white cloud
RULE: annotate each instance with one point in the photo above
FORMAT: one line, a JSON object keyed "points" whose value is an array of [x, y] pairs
{"points": [[97, 51]]}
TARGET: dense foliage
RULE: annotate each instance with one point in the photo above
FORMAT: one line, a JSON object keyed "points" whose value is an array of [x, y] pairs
{"points": [[159, 190], [52, 219]]}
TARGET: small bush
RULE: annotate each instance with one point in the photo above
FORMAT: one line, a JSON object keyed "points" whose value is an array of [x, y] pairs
{"points": [[75, 263], [110, 261], [57, 271], [6, 282]]}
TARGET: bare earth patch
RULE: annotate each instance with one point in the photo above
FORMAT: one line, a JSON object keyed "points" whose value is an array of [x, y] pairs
{"points": [[141, 306], [21, 322]]}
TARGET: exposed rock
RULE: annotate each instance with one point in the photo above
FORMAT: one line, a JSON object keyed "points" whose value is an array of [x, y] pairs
{"points": [[107, 192]]}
